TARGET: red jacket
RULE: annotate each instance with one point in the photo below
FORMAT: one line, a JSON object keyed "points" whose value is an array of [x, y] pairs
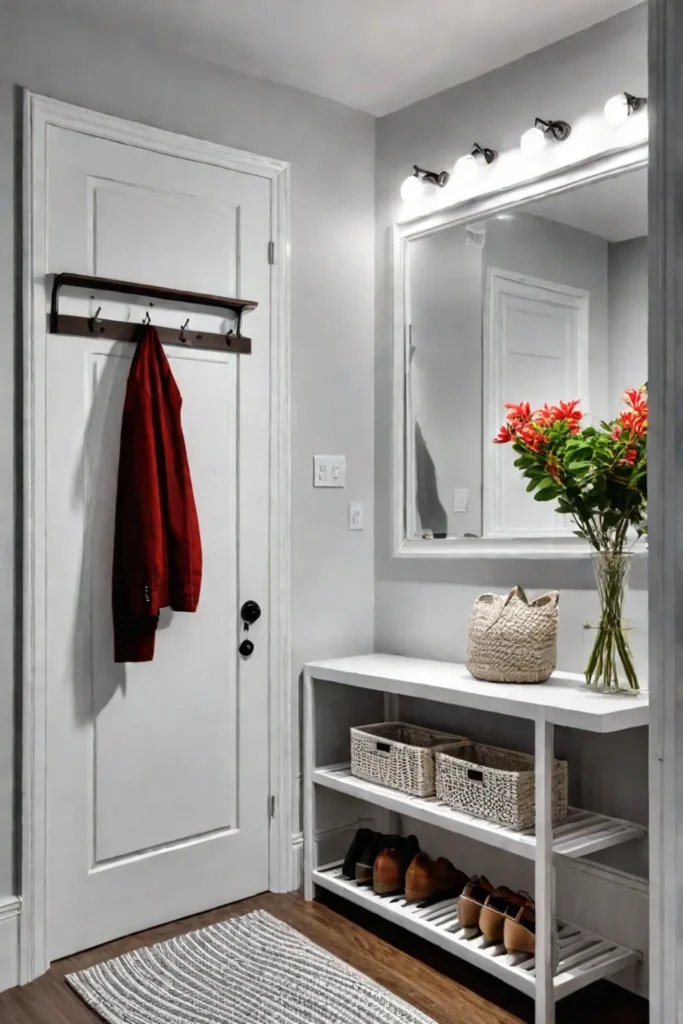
{"points": [[157, 546]]}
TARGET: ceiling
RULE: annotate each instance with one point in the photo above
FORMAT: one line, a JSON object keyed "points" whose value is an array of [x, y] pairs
{"points": [[375, 55], [615, 209]]}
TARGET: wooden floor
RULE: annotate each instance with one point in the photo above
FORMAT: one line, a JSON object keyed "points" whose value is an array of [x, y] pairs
{"points": [[443, 987]]}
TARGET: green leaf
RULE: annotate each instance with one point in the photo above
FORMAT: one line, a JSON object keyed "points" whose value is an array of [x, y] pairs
{"points": [[546, 495]]}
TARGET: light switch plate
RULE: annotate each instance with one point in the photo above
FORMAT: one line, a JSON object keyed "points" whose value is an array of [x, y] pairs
{"points": [[461, 499], [356, 515], [329, 471]]}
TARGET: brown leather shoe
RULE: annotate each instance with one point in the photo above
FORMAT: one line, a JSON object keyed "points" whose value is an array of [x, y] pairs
{"points": [[473, 898], [389, 872], [426, 877], [519, 934], [492, 916]]}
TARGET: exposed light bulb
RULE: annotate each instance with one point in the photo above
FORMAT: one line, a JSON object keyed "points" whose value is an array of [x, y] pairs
{"points": [[617, 109], [466, 167], [412, 189], [533, 141]]}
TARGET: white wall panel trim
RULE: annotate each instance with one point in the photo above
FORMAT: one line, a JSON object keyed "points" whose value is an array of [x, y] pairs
{"points": [[10, 912]]}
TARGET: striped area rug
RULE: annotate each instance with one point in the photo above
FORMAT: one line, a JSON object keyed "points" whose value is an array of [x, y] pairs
{"points": [[248, 970]]}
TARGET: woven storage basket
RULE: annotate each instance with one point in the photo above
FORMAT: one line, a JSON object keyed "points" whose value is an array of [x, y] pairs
{"points": [[511, 639], [398, 755], [494, 783]]}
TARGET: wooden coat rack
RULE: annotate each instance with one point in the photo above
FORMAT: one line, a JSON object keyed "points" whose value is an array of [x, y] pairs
{"points": [[125, 330]]}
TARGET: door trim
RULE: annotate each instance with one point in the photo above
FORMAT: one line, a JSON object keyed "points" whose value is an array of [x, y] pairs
{"points": [[40, 113]]}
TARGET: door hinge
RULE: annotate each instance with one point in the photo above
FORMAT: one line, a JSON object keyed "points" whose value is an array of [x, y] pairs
{"points": [[271, 252], [271, 806]]}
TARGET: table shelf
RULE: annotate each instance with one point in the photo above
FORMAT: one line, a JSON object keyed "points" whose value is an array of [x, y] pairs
{"points": [[582, 957], [563, 700], [580, 834]]}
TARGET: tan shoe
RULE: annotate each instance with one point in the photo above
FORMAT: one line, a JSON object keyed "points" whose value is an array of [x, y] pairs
{"points": [[474, 895], [492, 916], [519, 933], [426, 878], [389, 872]]}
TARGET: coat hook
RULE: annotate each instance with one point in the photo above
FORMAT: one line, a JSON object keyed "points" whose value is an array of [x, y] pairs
{"points": [[181, 336], [147, 319], [93, 320]]}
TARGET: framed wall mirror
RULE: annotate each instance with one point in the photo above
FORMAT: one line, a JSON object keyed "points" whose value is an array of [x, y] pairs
{"points": [[536, 293]]}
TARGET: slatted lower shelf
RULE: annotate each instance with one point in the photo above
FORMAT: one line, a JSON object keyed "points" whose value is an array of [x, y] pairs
{"points": [[580, 834], [582, 957]]}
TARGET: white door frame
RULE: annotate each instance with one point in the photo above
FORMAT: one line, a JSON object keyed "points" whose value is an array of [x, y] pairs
{"points": [[40, 113], [665, 512]]}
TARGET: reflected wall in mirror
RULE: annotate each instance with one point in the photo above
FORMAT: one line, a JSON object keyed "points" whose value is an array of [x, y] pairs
{"points": [[540, 302]]}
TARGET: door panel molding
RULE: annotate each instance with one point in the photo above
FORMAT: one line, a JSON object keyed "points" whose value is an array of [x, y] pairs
{"points": [[40, 113], [501, 286]]}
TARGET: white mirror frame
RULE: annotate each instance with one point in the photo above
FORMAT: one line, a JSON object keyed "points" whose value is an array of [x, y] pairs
{"points": [[596, 168]]}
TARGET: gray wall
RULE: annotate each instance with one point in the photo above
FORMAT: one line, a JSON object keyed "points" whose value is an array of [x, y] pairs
{"points": [[627, 318], [421, 607], [331, 149]]}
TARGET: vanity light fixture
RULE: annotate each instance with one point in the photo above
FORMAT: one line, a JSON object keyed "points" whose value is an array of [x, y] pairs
{"points": [[535, 139], [413, 188], [620, 107], [479, 156]]}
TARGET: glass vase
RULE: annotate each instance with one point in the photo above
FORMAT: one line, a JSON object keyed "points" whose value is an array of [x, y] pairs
{"points": [[610, 666]]}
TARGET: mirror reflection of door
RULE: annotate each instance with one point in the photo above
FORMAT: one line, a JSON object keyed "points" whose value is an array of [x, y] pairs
{"points": [[539, 303]]}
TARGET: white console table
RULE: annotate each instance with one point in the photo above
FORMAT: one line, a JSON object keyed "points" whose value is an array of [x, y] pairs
{"points": [[567, 957]]}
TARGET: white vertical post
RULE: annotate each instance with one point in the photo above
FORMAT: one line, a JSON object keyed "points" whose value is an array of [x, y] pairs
{"points": [[390, 821], [665, 510], [545, 925], [310, 855]]}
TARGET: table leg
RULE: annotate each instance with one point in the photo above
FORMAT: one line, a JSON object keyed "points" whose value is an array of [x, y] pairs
{"points": [[310, 852], [545, 925]]}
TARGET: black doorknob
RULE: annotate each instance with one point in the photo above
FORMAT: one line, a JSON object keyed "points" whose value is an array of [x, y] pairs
{"points": [[251, 612], [246, 648]]}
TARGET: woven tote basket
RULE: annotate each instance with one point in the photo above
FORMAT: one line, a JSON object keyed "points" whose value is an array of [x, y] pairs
{"points": [[511, 639], [398, 755], [494, 783]]}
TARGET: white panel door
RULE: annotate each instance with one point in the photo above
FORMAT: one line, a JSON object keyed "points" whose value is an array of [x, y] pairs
{"points": [[536, 351], [157, 773]]}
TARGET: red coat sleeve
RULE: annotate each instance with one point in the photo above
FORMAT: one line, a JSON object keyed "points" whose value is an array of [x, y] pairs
{"points": [[138, 580], [183, 540]]}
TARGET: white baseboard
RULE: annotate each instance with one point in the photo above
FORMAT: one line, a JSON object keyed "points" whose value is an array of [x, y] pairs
{"points": [[10, 909]]}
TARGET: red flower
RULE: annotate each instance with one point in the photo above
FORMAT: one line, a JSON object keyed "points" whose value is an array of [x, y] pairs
{"points": [[531, 435], [504, 435], [630, 457], [616, 431], [636, 398], [634, 421], [518, 413], [568, 411], [545, 417]]}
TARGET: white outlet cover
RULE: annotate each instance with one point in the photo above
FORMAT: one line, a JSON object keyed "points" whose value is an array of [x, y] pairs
{"points": [[329, 471], [356, 515], [461, 499]]}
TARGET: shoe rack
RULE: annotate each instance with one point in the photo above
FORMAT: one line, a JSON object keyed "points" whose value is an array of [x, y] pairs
{"points": [[567, 956]]}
